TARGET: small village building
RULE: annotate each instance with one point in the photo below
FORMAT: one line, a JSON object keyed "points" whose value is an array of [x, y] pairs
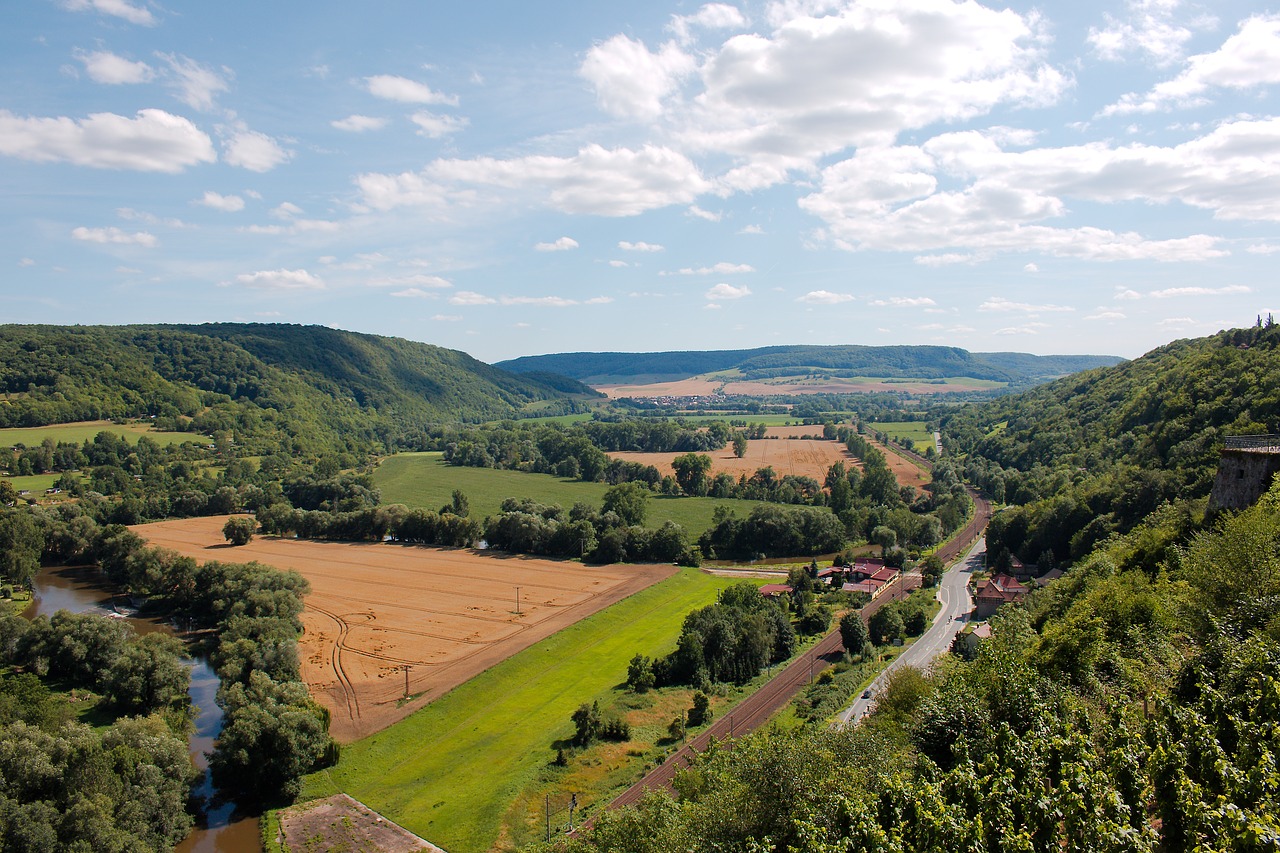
{"points": [[991, 594], [774, 590]]}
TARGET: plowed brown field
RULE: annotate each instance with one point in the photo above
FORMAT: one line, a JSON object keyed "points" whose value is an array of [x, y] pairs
{"points": [[446, 614]]}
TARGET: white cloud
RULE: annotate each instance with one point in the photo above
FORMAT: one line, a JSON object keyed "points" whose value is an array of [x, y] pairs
{"points": [[832, 76], [281, 279], [225, 203], [712, 16], [1263, 249], [699, 213], [197, 85], [630, 81], [640, 247], [825, 297], [904, 302], [1028, 329], [254, 151], [467, 297], [598, 300], [752, 229], [727, 291], [543, 301], [1128, 295], [359, 123], [597, 180], [415, 293], [434, 126], [149, 218], [889, 199], [1105, 314], [26, 262], [447, 318], [1248, 59], [402, 89], [114, 235], [563, 244], [1177, 321], [408, 189], [1031, 268], [1149, 28], [117, 8], [154, 141], [418, 282], [618, 264], [722, 268], [285, 210], [1199, 291], [1003, 305], [947, 259], [296, 226], [103, 66]]}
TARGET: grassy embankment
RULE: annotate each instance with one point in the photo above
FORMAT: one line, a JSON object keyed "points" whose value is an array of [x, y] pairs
{"points": [[452, 772], [917, 431], [426, 480], [87, 430]]}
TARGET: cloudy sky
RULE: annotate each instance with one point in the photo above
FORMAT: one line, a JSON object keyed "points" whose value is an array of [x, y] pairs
{"points": [[513, 178]]}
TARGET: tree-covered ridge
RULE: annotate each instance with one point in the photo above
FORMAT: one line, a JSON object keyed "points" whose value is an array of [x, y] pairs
{"points": [[917, 362], [306, 382], [1092, 454]]}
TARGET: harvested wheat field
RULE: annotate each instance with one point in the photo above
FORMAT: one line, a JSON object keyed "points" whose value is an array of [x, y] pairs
{"points": [[801, 457], [446, 614]]}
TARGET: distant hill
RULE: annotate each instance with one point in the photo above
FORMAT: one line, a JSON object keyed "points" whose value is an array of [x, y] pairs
{"points": [[910, 362], [309, 380]]}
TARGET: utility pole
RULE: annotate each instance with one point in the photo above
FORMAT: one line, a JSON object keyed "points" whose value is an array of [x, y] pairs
{"points": [[546, 811], [406, 680], [517, 601], [573, 804]]}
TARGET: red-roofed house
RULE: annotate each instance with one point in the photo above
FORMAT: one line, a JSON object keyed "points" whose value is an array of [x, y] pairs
{"points": [[870, 587], [773, 590], [992, 593]]}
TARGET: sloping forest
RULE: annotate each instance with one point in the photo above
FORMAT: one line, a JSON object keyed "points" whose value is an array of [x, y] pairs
{"points": [[1131, 705], [320, 389]]}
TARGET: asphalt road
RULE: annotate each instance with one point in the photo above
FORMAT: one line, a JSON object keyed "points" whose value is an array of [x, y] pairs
{"points": [[953, 592]]}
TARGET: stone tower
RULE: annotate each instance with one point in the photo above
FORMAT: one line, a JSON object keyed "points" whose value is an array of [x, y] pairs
{"points": [[1248, 466]]}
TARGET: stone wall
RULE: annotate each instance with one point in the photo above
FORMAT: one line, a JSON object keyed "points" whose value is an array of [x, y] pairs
{"points": [[1243, 477]]}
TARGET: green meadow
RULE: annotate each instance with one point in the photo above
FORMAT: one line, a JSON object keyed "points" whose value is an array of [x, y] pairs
{"points": [[452, 771], [426, 480], [917, 431], [80, 432]]}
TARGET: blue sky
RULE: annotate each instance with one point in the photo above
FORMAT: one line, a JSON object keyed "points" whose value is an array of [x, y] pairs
{"points": [[521, 178]]}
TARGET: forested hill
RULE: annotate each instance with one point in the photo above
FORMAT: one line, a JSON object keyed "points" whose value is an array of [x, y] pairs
{"points": [[1120, 439], [914, 362], [307, 377]]}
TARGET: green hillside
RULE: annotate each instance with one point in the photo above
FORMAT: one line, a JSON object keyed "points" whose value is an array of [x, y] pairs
{"points": [[309, 382], [915, 362], [1091, 454]]}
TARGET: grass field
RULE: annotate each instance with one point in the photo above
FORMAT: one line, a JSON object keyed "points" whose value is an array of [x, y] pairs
{"points": [[917, 431], [80, 432], [452, 771], [426, 480]]}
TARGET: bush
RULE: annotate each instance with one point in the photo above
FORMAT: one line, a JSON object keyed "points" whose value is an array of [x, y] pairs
{"points": [[239, 530], [700, 713], [615, 729]]}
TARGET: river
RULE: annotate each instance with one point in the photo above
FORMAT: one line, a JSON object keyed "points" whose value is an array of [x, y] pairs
{"points": [[220, 829]]}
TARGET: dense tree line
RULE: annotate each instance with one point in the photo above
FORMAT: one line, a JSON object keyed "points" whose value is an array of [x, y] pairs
{"points": [[134, 674], [1119, 710], [731, 641]]}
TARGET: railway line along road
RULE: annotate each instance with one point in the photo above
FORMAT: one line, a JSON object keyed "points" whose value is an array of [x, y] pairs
{"points": [[756, 709]]}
